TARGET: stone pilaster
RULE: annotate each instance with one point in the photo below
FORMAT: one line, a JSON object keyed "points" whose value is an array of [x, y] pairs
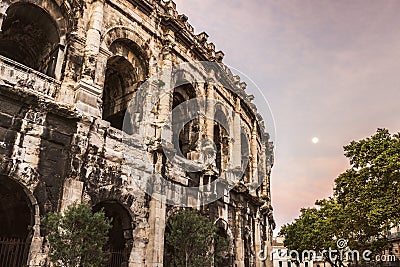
{"points": [[72, 193], [87, 94], [92, 45], [60, 58], [258, 242], [3, 15], [264, 176], [239, 242], [236, 148], [155, 247], [254, 154], [209, 123]]}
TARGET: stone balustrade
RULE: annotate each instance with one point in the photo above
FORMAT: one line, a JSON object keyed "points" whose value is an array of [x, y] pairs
{"points": [[22, 77]]}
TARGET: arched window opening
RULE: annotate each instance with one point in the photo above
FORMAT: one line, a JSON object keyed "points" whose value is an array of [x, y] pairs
{"points": [[184, 138], [125, 71], [30, 36], [118, 90], [245, 153], [221, 141], [120, 235], [16, 221]]}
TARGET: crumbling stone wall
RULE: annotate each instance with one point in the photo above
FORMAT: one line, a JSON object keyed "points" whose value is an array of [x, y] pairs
{"points": [[59, 148]]}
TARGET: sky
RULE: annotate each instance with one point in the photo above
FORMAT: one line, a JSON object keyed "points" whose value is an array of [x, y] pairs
{"points": [[328, 69]]}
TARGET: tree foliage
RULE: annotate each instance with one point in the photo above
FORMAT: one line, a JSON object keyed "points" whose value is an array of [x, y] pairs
{"points": [[193, 240], [77, 237], [369, 191], [365, 203]]}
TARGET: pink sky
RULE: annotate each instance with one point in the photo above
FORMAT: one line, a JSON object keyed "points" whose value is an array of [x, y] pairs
{"points": [[327, 68]]}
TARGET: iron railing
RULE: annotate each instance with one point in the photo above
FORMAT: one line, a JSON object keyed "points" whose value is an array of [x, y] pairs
{"points": [[13, 252], [117, 257]]}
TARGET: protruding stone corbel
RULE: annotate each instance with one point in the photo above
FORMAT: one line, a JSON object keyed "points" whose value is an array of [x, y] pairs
{"points": [[236, 79], [219, 56], [189, 27], [243, 85], [202, 37], [183, 18], [171, 7]]}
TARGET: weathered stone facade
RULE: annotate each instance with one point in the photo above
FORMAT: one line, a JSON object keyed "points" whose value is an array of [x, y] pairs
{"points": [[67, 72]]}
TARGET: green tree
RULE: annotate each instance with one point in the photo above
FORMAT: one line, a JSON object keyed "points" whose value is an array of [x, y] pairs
{"points": [[190, 238], [365, 204], [77, 237], [316, 229], [221, 250], [369, 191]]}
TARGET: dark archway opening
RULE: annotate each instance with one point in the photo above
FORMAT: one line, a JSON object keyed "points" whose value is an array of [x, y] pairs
{"points": [[184, 138], [248, 249], [120, 236], [118, 88], [125, 71], [245, 159], [16, 221], [30, 36], [222, 257], [221, 141]]}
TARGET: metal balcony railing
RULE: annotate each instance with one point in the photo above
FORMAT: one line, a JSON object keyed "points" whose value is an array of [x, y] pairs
{"points": [[25, 78]]}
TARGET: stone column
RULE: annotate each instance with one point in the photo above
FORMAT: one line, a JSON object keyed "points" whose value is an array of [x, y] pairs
{"points": [[3, 15], [258, 242], [155, 247], [263, 176], [87, 95], [209, 120], [92, 45], [239, 242], [236, 147], [208, 131], [165, 91], [254, 154], [72, 193], [60, 58]]}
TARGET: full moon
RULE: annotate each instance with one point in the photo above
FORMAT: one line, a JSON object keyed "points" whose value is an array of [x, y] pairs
{"points": [[315, 140]]}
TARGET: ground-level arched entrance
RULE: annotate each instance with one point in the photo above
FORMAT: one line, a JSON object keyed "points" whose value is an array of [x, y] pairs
{"points": [[120, 236], [16, 223]]}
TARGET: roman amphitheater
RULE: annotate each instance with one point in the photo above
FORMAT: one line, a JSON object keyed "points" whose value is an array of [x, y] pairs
{"points": [[71, 71]]}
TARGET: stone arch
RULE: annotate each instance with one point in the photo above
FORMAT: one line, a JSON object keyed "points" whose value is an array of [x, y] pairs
{"points": [[125, 70], [59, 12], [123, 32], [222, 136], [110, 36], [185, 134], [33, 34], [19, 220], [121, 237]]}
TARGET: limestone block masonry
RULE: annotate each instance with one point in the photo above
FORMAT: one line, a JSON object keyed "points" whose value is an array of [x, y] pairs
{"points": [[68, 70]]}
